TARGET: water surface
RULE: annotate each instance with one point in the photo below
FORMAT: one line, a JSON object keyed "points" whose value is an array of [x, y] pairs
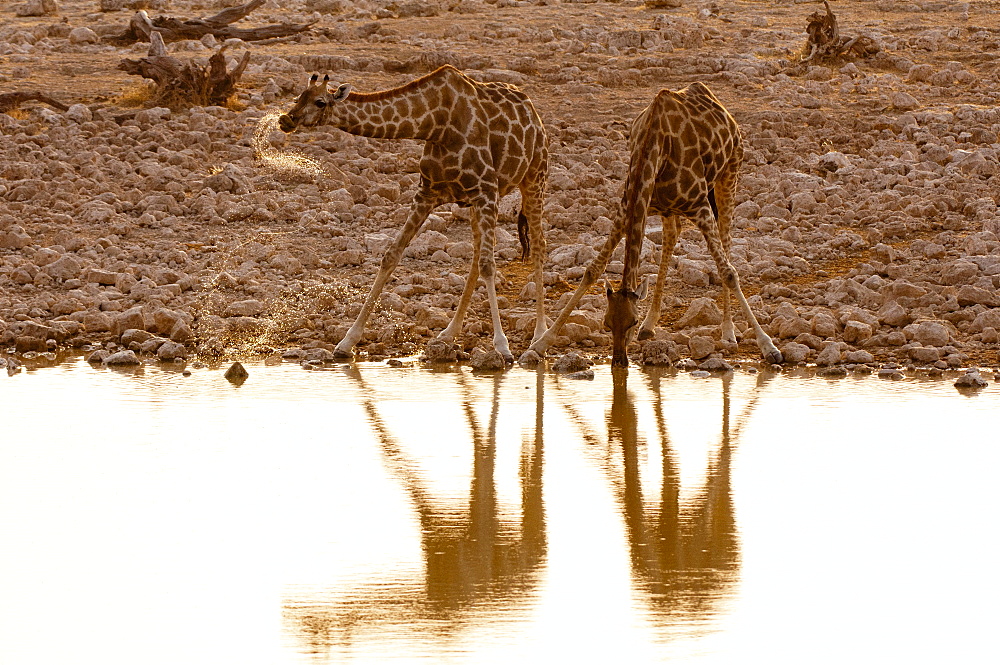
{"points": [[373, 514]]}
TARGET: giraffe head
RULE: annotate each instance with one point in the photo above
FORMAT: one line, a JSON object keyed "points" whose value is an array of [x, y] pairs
{"points": [[621, 318], [313, 106]]}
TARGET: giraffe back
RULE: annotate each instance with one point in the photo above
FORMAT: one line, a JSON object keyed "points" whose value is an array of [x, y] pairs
{"points": [[518, 141], [697, 140]]}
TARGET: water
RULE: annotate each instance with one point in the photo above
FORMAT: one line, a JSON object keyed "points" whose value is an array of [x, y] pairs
{"points": [[415, 515]]}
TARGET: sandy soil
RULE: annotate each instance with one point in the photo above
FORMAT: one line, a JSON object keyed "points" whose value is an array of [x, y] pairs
{"points": [[866, 232]]}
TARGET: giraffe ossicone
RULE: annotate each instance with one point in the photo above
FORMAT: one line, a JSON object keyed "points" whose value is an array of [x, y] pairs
{"points": [[685, 154], [482, 141]]}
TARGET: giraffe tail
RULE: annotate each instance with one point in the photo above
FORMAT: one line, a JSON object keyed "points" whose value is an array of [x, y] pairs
{"points": [[522, 235]]}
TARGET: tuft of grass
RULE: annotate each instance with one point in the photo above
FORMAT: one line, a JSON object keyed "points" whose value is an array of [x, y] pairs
{"points": [[136, 95]]}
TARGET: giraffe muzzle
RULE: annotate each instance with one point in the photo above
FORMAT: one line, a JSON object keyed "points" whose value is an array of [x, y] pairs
{"points": [[286, 124]]}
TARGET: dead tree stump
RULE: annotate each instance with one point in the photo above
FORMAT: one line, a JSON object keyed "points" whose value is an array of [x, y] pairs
{"points": [[182, 84], [11, 100], [141, 27], [826, 43]]}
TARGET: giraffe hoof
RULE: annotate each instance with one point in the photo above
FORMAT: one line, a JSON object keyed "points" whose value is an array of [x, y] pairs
{"points": [[340, 353], [645, 333], [774, 357]]}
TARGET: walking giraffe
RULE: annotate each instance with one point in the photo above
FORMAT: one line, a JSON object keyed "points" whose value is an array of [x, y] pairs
{"points": [[482, 141], [685, 154]]}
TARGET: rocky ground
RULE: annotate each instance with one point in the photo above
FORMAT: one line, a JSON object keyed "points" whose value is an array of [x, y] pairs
{"points": [[867, 229]]}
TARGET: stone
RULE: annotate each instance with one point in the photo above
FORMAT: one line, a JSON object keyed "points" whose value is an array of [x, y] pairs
{"points": [[440, 351], [98, 276], [586, 375], [794, 352], [131, 318], [903, 101], [37, 8], [25, 344], [701, 312], [701, 346], [715, 365], [932, 333], [126, 357], [891, 373], [151, 345], [97, 356], [134, 335], [971, 379], [824, 324], [829, 354], [570, 362], [988, 319], [236, 374], [973, 295], [790, 328], [893, 314], [960, 272], [529, 359], [64, 268], [487, 360], [245, 308], [859, 356], [834, 372], [171, 351], [856, 332], [657, 353], [83, 35], [925, 354], [79, 113]]}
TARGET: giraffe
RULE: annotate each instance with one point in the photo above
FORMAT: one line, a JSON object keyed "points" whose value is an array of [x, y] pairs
{"points": [[685, 154], [481, 141]]}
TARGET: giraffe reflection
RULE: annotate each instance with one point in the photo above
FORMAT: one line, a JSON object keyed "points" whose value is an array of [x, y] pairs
{"points": [[684, 555], [471, 554]]}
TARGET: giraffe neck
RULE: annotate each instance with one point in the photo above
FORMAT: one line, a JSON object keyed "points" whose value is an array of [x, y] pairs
{"points": [[422, 109]]}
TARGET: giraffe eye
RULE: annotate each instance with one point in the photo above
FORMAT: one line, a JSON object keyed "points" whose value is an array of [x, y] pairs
{"points": [[321, 103]]}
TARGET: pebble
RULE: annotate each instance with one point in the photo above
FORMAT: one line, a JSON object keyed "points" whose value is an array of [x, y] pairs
{"points": [[971, 379], [571, 362]]}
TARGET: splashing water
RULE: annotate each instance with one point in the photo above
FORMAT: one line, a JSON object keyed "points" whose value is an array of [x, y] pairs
{"points": [[274, 158]]}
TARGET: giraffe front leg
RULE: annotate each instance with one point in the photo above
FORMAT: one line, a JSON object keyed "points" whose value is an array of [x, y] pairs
{"points": [[455, 327], [422, 207], [728, 329], [594, 270], [670, 231]]}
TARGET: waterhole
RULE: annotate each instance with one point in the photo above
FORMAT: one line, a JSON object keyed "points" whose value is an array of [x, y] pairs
{"points": [[366, 513]]}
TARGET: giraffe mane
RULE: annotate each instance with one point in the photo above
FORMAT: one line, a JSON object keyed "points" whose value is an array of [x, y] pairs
{"points": [[403, 89]]}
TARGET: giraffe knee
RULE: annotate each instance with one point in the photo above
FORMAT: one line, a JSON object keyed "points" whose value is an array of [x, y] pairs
{"points": [[729, 277]]}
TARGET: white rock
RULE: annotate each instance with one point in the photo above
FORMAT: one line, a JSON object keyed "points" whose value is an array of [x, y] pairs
{"points": [[829, 354], [83, 35], [79, 113]]}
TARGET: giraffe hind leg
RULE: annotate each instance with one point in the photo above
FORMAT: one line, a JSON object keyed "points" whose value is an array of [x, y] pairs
{"points": [[731, 280], [529, 225]]}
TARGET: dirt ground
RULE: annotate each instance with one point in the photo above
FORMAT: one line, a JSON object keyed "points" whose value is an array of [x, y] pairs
{"points": [[866, 231]]}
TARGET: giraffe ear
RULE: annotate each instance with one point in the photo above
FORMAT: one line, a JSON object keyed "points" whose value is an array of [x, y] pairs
{"points": [[341, 93]]}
